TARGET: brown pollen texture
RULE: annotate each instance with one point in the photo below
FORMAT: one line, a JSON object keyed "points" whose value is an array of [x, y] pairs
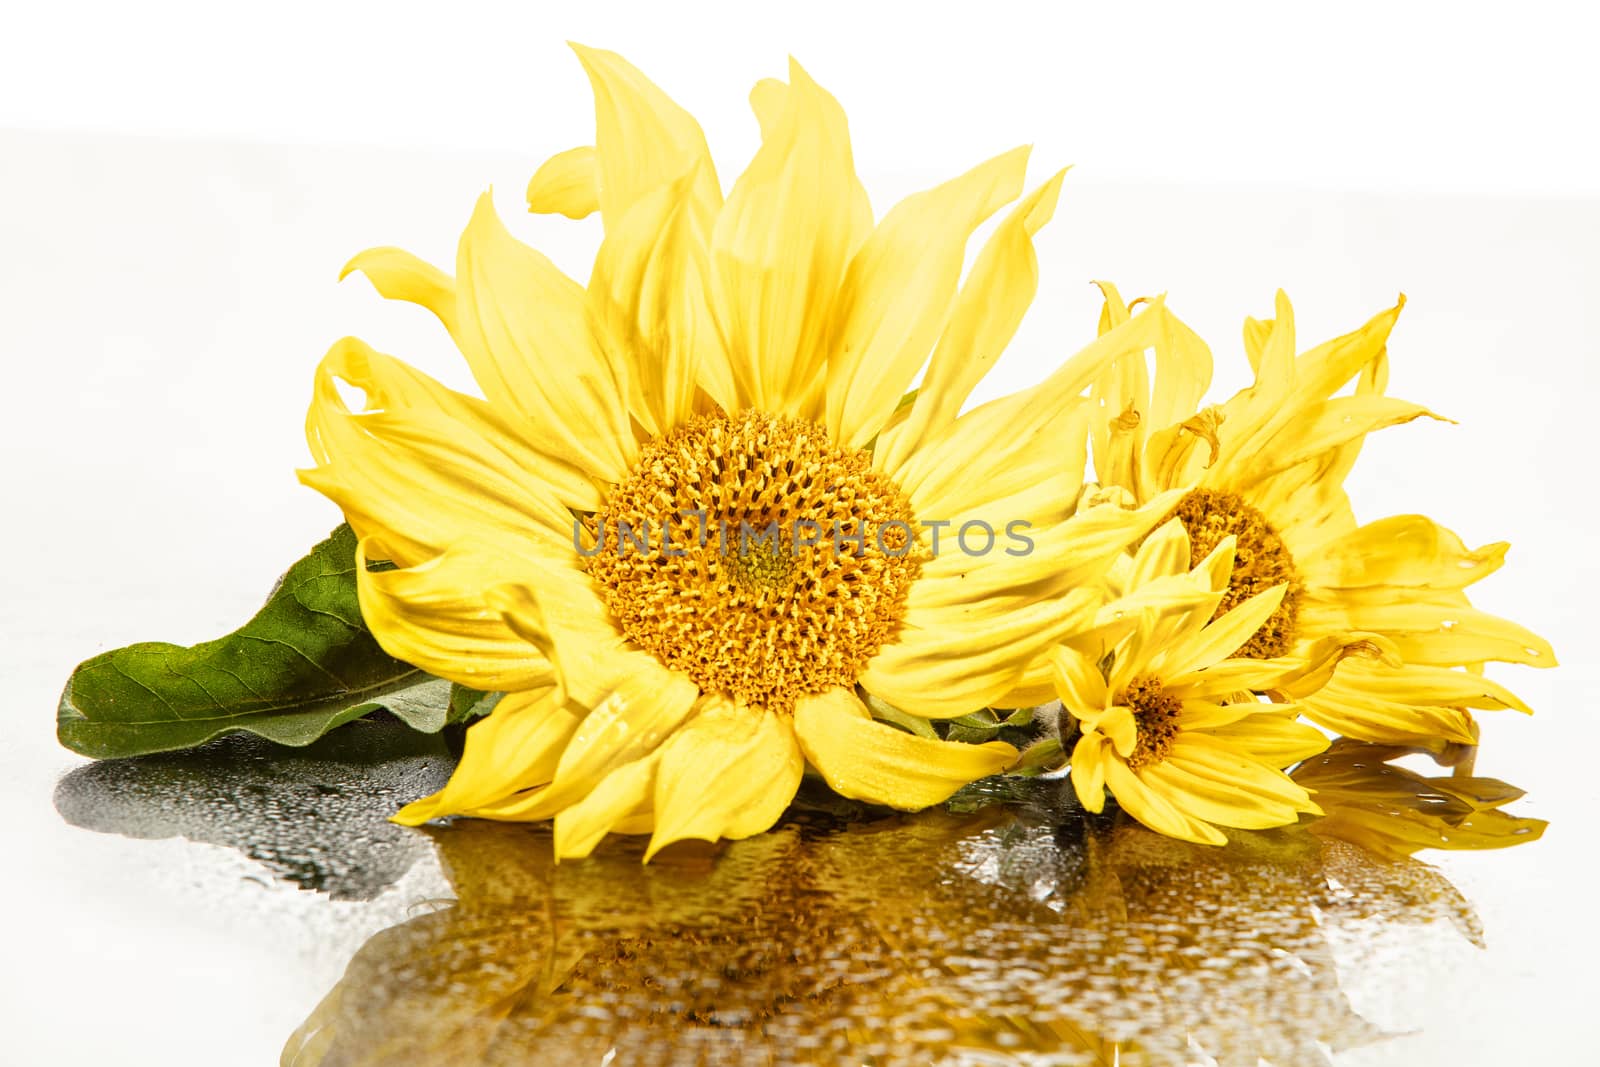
{"points": [[1155, 715], [1261, 561], [713, 593]]}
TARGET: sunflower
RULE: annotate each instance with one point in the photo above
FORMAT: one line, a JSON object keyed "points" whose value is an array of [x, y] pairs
{"points": [[734, 365], [1267, 468], [1168, 720]]}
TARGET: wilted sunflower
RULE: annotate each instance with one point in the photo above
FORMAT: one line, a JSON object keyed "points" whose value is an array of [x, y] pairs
{"points": [[1168, 719], [1267, 468], [740, 360]]}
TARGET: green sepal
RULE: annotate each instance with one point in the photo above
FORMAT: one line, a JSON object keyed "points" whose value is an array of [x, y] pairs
{"points": [[884, 711], [467, 704]]}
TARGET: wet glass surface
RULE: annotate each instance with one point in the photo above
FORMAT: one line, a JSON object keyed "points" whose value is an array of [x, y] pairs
{"points": [[1009, 927]]}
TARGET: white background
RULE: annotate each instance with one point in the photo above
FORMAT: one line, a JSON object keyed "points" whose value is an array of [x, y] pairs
{"points": [[180, 187], [1460, 96]]}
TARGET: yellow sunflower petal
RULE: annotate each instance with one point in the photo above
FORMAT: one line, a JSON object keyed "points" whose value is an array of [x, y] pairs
{"points": [[524, 328], [569, 622], [1164, 553], [1274, 358], [622, 796], [766, 100], [1120, 728], [422, 468], [1401, 554], [896, 294], [1128, 409], [642, 139], [867, 760], [780, 246], [1204, 753], [1203, 714], [1089, 759], [1004, 434], [1435, 634], [1319, 428], [1235, 802], [728, 773], [648, 303], [1441, 685], [1276, 738], [1386, 722], [1148, 805], [1305, 670], [954, 657], [398, 275], [983, 319], [516, 747], [1222, 637], [632, 721], [1324, 369], [1079, 684], [435, 615], [565, 184]]}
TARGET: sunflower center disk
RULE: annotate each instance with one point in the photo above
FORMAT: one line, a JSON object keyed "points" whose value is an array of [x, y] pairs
{"points": [[1155, 715], [753, 555], [1261, 561]]}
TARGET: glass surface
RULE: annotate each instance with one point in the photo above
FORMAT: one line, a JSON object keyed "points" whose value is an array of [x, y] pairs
{"points": [[164, 306], [1010, 926]]}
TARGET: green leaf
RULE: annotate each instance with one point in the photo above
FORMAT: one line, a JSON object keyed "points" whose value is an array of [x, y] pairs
{"points": [[302, 666]]}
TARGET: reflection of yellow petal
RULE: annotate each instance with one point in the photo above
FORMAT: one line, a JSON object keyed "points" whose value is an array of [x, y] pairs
{"points": [[1395, 812], [866, 760], [723, 950], [728, 773]]}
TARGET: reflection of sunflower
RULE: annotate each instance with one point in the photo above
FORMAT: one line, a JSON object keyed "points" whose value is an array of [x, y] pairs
{"points": [[1169, 724], [744, 360], [1392, 811], [1024, 931], [1267, 468]]}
